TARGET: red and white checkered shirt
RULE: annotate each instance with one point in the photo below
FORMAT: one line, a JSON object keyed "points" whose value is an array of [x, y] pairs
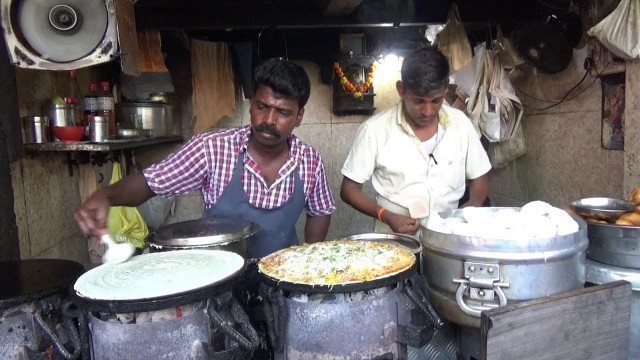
{"points": [[207, 162]]}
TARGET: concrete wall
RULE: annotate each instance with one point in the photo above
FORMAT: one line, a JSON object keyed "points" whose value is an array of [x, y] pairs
{"points": [[565, 160]]}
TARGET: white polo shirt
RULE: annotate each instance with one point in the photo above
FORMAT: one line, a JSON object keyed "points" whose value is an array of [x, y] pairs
{"points": [[403, 170]]}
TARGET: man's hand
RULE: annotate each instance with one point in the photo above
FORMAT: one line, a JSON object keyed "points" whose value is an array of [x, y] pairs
{"points": [[91, 216], [400, 223]]}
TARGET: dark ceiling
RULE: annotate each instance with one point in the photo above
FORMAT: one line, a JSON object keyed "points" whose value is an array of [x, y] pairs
{"points": [[309, 25]]}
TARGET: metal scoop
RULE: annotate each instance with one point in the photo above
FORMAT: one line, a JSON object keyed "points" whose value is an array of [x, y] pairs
{"points": [[116, 252]]}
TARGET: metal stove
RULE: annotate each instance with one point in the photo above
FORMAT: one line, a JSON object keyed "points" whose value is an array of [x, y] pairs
{"points": [[37, 321], [373, 323]]}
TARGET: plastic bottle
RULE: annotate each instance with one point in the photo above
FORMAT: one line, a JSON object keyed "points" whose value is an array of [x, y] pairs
{"points": [[91, 102], [106, 108], [74, 97]]}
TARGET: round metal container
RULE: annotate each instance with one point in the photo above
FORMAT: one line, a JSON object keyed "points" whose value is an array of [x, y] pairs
{"points": [[598, 273], [156, 118], [468, 274], [35, 129], [614, 245], [210, 233]]}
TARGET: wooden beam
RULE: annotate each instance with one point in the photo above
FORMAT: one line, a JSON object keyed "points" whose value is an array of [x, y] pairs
{"points": [[341, 7]]}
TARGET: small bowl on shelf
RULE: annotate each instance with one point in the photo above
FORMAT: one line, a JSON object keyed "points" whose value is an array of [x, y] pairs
{"points": [[69, 133]]}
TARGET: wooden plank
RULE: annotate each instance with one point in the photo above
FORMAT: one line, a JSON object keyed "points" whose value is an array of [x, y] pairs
{"points": [[127, 37], [590, 323]]}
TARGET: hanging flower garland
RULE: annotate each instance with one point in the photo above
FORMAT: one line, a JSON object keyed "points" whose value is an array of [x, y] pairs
{"points": [[349, 87]]}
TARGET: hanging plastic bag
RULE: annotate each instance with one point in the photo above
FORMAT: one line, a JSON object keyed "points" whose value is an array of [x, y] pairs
{"points": [[453, 41], [126, 222], [502, 153], [620, 31]]}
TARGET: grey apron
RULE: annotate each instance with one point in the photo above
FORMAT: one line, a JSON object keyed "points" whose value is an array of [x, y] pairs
{"points": [[277, 226]]}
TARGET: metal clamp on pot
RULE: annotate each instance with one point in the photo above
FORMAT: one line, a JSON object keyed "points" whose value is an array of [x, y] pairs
{"points": [[483, 283]]}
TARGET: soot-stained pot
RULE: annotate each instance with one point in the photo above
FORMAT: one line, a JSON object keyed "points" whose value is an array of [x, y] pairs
{"points": [[318, 321], [174, 304], [211, 233]]}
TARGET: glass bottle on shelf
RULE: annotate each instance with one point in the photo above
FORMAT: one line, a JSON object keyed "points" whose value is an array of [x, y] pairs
{"points": [[106, 108], [91, 102], [74, 97]]}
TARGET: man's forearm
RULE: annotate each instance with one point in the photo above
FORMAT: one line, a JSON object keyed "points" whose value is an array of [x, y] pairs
{"points": [[478, 191], [316, 228], [133, 190]]}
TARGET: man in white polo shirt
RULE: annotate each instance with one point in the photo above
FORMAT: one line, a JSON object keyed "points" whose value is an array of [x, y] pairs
{"points": [[419, 154]]}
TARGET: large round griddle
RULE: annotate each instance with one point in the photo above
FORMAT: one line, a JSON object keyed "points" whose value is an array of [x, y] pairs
{"points": [[157, 281], [25, 281], [344, 288]]}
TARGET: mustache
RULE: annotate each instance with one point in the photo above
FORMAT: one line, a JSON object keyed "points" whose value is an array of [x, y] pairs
{"points": [[265, 128]]}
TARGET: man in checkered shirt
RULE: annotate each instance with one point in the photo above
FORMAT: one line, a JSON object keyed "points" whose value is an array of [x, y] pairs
{"points": [[260, 172]]}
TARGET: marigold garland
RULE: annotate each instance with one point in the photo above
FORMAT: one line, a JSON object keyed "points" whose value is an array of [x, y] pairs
{"points": [[349, 87]]}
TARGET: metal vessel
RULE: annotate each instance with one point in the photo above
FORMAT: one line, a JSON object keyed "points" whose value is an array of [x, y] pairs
{"points": [[614, 245], [468, 274]]}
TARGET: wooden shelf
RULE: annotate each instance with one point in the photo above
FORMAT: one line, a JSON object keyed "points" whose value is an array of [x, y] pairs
{"points": [[112, 145]]}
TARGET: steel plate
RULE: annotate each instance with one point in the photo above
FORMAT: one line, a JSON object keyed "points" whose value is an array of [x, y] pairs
{"points": [[602, 207]]}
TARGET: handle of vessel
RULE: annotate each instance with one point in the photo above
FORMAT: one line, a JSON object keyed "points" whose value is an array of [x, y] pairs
{"points": [[416, 292], [272, 298], [73, 333], [249, 340], [475, 311]]}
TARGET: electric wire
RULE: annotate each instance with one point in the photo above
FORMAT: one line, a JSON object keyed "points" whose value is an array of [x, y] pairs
{"points": [[565, 98]]}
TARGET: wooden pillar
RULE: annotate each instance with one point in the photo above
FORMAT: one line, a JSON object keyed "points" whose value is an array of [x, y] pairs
{"points": [[10, 151]]}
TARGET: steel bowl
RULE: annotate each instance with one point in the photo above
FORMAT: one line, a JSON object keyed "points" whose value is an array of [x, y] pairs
{"points": [[608, 209]]}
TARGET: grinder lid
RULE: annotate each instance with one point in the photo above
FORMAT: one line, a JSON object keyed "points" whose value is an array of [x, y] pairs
{"points": [[26, 281], [201, 232]]}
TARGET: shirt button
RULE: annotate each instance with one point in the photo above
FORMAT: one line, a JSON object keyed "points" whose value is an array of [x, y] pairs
{"points": [[450, 162]]}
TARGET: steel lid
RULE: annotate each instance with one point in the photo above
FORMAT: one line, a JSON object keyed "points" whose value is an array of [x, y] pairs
{"points": [[209, 231]]}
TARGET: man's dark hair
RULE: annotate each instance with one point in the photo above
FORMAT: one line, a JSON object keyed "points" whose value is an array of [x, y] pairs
{"points": [[425, 70], [285, 78]]}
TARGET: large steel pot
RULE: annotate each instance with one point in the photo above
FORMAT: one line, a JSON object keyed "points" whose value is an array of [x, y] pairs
{"points": [[468, 274], [599, 273], [216, 233], [614, 245], [156, 118]]}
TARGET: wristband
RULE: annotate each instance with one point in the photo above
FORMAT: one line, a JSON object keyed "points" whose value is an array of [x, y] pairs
{"points": [[380, 212]]}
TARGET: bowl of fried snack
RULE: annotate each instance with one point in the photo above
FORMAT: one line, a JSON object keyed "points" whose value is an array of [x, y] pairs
{"points": [[606, 210]]}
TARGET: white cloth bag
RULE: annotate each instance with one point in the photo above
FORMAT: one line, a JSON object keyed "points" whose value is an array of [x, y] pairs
{"points": [[620, 31]]}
